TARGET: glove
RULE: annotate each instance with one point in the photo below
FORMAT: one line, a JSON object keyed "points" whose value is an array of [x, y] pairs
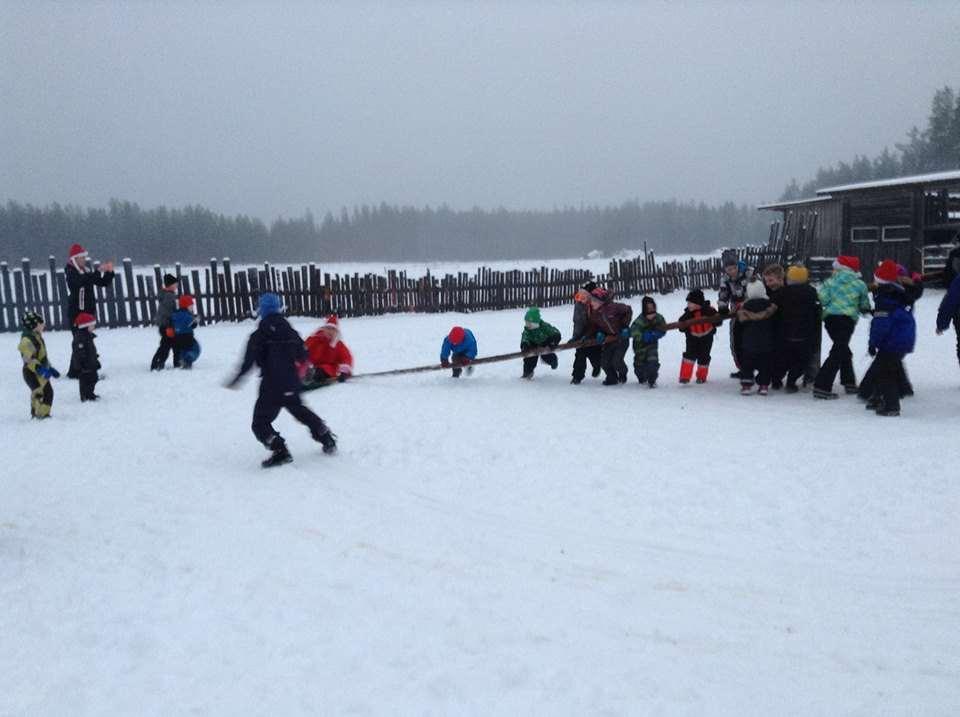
{"points": [[342, 377], [872, 350], [600, 337], [524, 346], [625, 333], [46, 371], [650, 336], [741, 266], [170, 332], [445, 363], [724, 311]]}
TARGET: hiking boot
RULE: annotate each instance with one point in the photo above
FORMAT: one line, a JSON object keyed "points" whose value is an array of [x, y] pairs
{"points": [[329, 441], [278, 457], [824, 395]]}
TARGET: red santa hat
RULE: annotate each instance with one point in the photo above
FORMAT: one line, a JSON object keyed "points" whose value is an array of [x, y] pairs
{"points": [[332, 323], [886, 272], [847, 262], [84, 320], [76, 251]]}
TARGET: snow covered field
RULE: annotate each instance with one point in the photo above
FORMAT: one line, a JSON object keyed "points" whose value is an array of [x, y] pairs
{"points": [[482, 546]]}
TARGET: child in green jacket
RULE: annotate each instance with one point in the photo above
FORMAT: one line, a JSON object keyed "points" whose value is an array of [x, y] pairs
{"points": [[37, 370], [647, 331], [537, 333]]}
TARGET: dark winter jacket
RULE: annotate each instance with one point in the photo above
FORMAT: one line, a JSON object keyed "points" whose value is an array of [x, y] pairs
{"points": [[699, 330], [276, 348], [611, 317], [647, 351], [799, 310], [85, 356], [949, 305], [733, 292], [183, 322], [466, 348], [582, 327], [81, 285], [757, 335], [166, 306], [893, 329]]}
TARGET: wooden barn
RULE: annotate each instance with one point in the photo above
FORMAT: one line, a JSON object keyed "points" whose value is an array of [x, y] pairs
{"points": [[913, 220]]}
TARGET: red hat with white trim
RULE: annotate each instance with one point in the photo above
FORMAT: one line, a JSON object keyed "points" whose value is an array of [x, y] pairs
{"points": [[886, 272], [76, 251], [84, 320], [847, 262], [332, 323]]}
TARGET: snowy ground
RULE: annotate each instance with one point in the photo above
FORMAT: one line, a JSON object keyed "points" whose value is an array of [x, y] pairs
{"points": [[482, 546]]}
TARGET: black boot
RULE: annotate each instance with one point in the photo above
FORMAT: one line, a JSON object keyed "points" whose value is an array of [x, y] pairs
{"points": [[329, 442], [280, 454]]}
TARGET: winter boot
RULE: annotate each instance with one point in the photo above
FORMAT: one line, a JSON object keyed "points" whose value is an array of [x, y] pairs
{"points": [[576, 381], [851, 388], [551, 361], [702, 372], [329, 441], [595, 371], [746, 389], [824, 395], [887, 412], [762, 391], [528, 375], [279, 455], [686, 370]]}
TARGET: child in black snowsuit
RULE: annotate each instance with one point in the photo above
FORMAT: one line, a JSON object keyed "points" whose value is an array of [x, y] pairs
{"points": [[87, 360], [799, 310], [699, 337], [756, 318], [279, 352]]}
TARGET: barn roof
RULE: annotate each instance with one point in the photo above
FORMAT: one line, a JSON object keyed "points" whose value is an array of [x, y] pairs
{"points": [[914, 180], [793, 203]]}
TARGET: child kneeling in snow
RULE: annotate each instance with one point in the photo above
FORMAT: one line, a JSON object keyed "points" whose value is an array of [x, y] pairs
{"points": [[459, 349], [757, 339], [647, 330], [893, 333], [86, 360], [537, 333], [699, 337], [329, 356], [182, 324]]}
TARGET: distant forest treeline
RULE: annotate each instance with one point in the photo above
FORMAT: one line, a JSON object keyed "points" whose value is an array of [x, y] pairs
{"points": [[383, 233], [932, 149]]}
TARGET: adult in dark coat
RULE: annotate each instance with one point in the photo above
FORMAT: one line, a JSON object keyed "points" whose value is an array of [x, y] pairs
{"points": [[278, 350], [81, 283], [583, 330]]}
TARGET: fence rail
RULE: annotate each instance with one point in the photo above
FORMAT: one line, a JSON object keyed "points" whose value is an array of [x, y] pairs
{"points": [[225, 294]]}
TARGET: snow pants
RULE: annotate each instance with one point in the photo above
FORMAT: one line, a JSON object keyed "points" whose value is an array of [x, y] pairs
{"points": [[840, 329], [580, 358], [612, 360], [755, 365], [41, 393], [795, 358], [887, 369], [646, 371], [167, 344], [868, 384], [698, 349], [530, 362], [956, 328], [736, 341], [268, 407]]}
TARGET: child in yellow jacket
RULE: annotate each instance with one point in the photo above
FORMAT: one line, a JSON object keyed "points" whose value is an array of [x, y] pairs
{"points": [[37, 370]]}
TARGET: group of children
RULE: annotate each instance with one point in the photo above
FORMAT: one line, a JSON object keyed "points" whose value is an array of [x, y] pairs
{"points": [[776, 321]]}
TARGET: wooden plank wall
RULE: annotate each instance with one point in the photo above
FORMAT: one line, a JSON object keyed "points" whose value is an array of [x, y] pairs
{"points": [[223, 293]]}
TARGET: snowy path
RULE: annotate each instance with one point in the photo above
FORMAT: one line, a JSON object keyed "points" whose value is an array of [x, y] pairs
{"points": [[487, 546]]}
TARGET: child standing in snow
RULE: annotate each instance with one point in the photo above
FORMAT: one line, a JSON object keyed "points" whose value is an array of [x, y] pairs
{"points": [[893, 333], [87, 360], [330, 357], [279, 352], [537, 333], [459, 348], [611, 319], [182, 324], [756, 319], [647, 331], [37, 371], [799, 312], [699, 337]]}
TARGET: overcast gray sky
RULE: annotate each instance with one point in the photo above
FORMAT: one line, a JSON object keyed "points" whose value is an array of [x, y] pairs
{"points": [[268, 109]]}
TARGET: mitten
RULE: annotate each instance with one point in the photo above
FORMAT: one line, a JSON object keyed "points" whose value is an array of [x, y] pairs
{"points": [[600, 337]]}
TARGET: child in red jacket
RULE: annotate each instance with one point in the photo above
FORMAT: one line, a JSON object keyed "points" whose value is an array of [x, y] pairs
{"points": [[330, 357]]}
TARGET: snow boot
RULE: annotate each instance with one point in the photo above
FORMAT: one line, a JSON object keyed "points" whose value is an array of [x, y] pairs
{"points": [[819, 393], [595, 371], [686, 370], [329, 441], [576, 381], [885, 412], [551, 361], [746, 389], [851, 389], [762, 391], [702, 372], [528, 375], [279, 455]]}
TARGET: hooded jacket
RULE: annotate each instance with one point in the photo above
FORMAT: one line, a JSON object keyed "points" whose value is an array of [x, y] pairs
{"points": [[276, 348], [893, 329], [329, 355], [543, 334]]}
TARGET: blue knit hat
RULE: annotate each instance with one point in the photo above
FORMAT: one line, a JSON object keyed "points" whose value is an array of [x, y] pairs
{"points": [[269, 304]]}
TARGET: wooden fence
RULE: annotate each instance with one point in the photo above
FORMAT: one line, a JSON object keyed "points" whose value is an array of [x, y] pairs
{"points": [[225, 294]]}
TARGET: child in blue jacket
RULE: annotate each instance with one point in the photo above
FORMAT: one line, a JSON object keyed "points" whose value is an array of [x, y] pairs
{"points": [[893, 333], [183, 322], [459, 349]]}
